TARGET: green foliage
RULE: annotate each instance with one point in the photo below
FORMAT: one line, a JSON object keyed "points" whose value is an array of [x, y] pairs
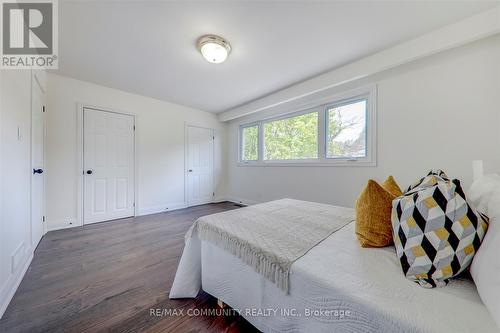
{"points": [[292, 138], [297, 138], [250, 143]]}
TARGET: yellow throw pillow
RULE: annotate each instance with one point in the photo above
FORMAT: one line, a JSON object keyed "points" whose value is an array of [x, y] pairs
{"points": [[373, 213], [392, 187]]}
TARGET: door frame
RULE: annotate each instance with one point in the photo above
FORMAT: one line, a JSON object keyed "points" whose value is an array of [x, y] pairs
{"points": [[186, 150], [80, 158], [36, 80]]}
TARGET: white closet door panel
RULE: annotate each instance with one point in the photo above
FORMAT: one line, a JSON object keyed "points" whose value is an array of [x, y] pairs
{"points": [[200, 165], [108, 166]]}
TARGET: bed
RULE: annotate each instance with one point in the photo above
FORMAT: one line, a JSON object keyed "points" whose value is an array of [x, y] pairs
{"points": [[336, 286]]}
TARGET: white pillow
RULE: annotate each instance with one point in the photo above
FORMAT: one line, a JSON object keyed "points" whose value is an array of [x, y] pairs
{"points": [[481, 191], [485, 268]]}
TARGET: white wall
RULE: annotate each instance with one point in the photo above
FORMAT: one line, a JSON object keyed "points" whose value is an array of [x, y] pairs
{"points": [[15, 232], [160, 146], [439, 112]]}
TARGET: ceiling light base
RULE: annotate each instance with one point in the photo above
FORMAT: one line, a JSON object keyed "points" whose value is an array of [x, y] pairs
{"points": [[214, 49]]}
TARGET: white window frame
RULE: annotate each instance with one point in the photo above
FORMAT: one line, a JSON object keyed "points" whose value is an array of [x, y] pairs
{"points": [[340, 104], [240, 143], [321, 105]]}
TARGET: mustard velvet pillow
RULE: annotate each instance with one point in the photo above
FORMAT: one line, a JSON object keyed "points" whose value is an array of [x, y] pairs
{"points": [[392, 187], [373, 213]]}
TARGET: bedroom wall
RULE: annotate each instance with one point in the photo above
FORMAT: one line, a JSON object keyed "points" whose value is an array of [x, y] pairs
{"points": [[439, 112], [15, 143], [160, 147]]}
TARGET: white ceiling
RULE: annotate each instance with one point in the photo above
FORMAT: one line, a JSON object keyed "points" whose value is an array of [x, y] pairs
{"points": [[148, 47]]}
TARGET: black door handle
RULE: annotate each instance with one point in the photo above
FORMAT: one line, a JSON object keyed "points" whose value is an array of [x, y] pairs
{"points": [[39, 171], [190, 170], [89, 172]]}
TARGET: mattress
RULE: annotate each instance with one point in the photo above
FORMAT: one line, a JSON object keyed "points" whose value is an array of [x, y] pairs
{"points": [[340, 287]]}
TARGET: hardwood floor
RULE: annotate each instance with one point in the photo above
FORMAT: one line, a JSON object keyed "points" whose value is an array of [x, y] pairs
{"points": [[107, 277]]}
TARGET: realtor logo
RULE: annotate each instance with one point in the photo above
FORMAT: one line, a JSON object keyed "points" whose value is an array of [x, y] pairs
{"points": [[29, 38]]}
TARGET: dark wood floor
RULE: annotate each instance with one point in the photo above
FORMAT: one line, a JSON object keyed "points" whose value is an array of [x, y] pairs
{"points": [[107, 277]]}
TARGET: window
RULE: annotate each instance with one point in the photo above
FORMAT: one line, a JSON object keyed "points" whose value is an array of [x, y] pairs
{"points": [[291, 138], [341, 132], [250, 143], [346, 130]]}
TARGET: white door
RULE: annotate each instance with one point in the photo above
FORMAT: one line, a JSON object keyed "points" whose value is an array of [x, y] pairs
{"points": [[108, 159], [200, 168], [37, 164]]}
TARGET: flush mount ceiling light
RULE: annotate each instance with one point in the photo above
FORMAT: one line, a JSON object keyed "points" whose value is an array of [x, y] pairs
{"points": [[214, 48]]}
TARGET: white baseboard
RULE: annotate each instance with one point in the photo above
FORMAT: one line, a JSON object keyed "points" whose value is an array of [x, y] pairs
{"points": [[161, 209], [220, 199], [71, 222], [241, 201], [12, 284], [142, 211], [61, 224]]}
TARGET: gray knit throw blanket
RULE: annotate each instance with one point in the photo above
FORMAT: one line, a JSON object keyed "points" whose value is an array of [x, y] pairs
{"points": [[271, 236]]}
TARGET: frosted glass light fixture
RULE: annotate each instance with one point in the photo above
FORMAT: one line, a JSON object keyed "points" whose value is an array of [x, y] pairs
{"points": [[214, 48]]}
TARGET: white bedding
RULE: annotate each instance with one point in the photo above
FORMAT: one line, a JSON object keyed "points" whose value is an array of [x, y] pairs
{"points": [[337, 275]]}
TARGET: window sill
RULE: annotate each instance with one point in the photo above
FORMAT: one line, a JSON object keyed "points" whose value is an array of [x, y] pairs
{"points": [[337, 163]]}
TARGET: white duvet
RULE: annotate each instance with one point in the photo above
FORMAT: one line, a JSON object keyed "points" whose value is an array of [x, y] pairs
{"points": [[336, 287]]}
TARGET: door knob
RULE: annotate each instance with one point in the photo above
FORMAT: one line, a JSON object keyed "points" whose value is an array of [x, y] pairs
{"points": [[39, 171], [190, 170], [89, 172]]}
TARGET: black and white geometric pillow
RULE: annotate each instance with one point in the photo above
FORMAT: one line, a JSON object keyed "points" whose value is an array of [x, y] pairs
{"points": [[436, 232], [431, 179]]}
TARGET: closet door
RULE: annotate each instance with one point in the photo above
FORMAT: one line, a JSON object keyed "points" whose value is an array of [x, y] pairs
{"points": [[200, 168], [108, 154]]}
